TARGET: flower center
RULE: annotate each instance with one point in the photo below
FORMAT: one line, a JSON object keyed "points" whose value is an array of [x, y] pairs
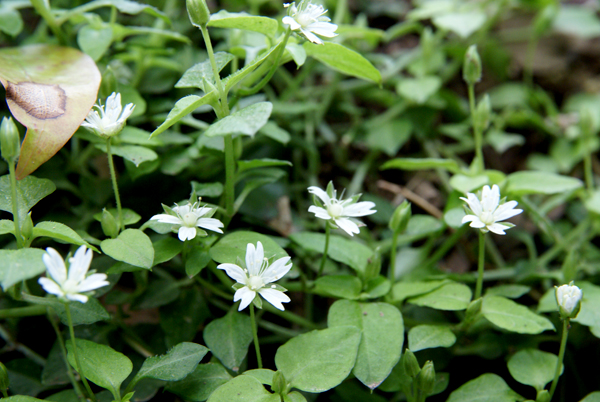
{"points": [[334, 209], [69, 286], [304, 19], [487, 218], [255, 282], [189, 219]]}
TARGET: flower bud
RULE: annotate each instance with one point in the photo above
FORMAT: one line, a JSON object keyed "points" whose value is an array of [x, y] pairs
{"points": [[472, 66], [3, 378], [426, 378], [411, 365], [543, 396], [109, 224], [482, 113], [568, 298], [10, 142], [401, 217], [280, 385], [198, 12], [27, 227]]}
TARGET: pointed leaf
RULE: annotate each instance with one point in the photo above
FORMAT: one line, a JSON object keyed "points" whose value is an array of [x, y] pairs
{"points": [[430, 336], [243, 388], [344, 60], [201, 383], [533, 367], [182, 108], [451, 296], [30, 191], [81, 313], [194, 76], [20, 265], [512, 316], [131, 246], [59, 231], [181, 360], [228, 338], [246, 121], [485, 388], [224, 19]]}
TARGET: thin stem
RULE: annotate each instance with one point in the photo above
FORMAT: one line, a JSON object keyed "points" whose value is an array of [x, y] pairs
{"points": [[113, 177], [63, 351], [255, 335], [561, 355], [213, 63], [587, 168], [480, 265], [392, 269], [23, 311], [46, 13], [327, 230], [15, 204], [75, 354], [229, 177], [477, 132]]}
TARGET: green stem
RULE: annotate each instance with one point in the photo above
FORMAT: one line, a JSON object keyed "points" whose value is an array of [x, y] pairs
{"points": [[587, 169], [477, 132], [229, 178], [480, 265], [392, 269], [63, 351], [76, 355], [327, 230], [15, 204], [255, 335], [22, 311], [291, 317], [41, 9], [113, 178], [211, 55], [561, 356]]}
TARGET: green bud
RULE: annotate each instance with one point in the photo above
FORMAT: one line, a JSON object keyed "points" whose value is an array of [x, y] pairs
{"points": [[543, 21], [401, 217], [3, 378], [473, 309], [411, 365], [472, 66], [543, 396], [198, 12], [110, 227], [373, 266], [280, 385], [482, 113], [426, 378], [10, 142], [27, 227]]}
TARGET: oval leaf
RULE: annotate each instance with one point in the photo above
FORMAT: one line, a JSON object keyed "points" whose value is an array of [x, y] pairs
{"points": [[344, 60], [132, 246], [533, 367], [30, 191], [451, 296], [228, 338], [243, 388], [59, 231], [181, 360], [224, 19], [520, 183], [512, 316], [233, 247], [421, 164], [20, 265], [430, 336], [50, 90], [201, 383], [246, 121], [485, 388]]}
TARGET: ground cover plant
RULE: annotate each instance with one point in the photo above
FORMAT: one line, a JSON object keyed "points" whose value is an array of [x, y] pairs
{"points": [[259, 201]]}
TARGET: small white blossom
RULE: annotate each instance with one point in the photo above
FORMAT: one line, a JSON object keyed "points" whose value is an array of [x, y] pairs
{"points": [[309, 19], [568, 298], [69, 285], [110, 121], [488, 211], [257, 276], [340, 212], [187, 218]]}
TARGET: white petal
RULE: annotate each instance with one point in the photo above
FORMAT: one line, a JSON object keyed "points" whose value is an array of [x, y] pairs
{"points": [[359, 209], [50, 286], [234, 272], [468, 218], [276, 270], [498, 228], [164, 218], [250, 259], [477, 223], [474, 204], [55, 265], [79, 264], [210, 224], [186, 233], [245, 295], [77, 297], [490, 198], [326, 29], [291, 22], [319, 193], [311, 37], [319, 212], [92, 282], [347, 225], [275, 297], [506, 211]]}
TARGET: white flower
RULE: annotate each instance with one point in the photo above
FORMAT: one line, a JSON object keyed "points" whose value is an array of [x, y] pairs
{"points": [[70, 285], [568, 298], [308, 18], [257, 276], [187, 218], [488, 211], [109, 122], [341, 212]]}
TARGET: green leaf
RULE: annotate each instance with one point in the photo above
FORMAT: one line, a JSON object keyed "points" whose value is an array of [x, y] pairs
{"points": [[124, 6], [593, 397], [577, 21], [430, 336], [180, 361], [30, 191], [131, 246], [512, 316], [451, 296], [224, 19], [405, 290], [421, 164], [389, 136], [260, 163], [232, 247], [246, 121], [21, 398], [50, 90], [380, 346], [344, 60], [196, 261], [343, 250], [130, 217], [419, 90], [7, 226], [243, 388], [265, 376], [182, 108], [207, 189], [533, 367], [343, 286], [165, 249], [462, 23], [194, 77], [485, 388], [81, 313], [466, 184], [319, 360], [20, 265], [530, 182], [59, 231], [201, 383], [95, 40], [11, 22], [228, 338], [509, 291], [100, 364], [133, 153], [273, 131]]}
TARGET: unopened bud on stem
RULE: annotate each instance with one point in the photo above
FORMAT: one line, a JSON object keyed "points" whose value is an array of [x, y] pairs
{"points": [[472, 66], [10, 142], [198, 12]]}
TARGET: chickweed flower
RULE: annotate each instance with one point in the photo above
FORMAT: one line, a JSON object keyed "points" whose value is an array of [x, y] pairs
{"points": [[187, 219], [256, 278], [340, 212], [488, 211], [110, 121], [309, 19], [69, 285], [568, 298]]}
